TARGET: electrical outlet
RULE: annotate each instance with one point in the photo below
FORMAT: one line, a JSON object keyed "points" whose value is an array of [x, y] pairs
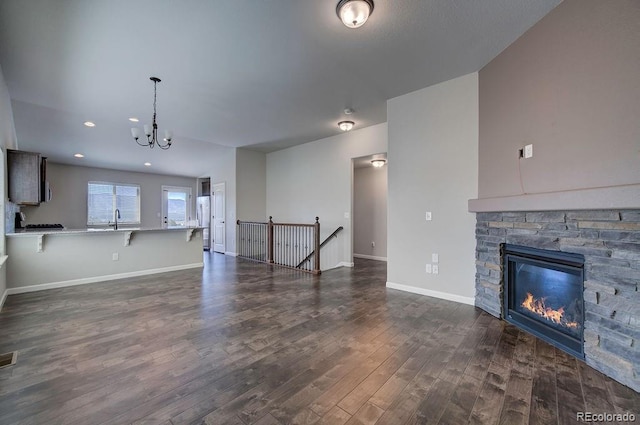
{"points": [[373, 244], [435, 258], [435, 269], [427, 268], [115, 256], [427, 216], [528, 151]]}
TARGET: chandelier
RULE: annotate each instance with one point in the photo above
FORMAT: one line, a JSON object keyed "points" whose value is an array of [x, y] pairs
{"points": [[151, 131]]}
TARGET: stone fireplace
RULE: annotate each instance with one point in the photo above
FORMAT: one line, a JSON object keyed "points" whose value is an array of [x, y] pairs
{"points": [[609, 242]]}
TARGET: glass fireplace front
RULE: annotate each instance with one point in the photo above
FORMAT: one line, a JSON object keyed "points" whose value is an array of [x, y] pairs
{"points": [[543, 294]]}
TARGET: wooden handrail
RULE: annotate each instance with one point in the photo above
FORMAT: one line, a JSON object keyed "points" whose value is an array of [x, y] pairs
{"points": [[335, 232]]}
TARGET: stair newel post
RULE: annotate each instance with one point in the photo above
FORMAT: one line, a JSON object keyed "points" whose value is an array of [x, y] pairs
{"points": [[270, 239], [316, 246]]}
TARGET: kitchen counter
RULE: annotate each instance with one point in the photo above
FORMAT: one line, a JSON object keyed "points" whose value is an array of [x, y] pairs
{"points": [[33, 232], [50, 258]]}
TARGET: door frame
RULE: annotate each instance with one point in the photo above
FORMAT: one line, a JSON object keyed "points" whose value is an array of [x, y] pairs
{"points": [[163, 215], [221, 248]]}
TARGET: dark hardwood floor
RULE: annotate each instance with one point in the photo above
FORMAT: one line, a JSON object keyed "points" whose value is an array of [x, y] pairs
{"points": [[241, 343]]}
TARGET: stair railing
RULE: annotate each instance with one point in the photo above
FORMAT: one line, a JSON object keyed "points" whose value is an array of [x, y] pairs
{"points": [[283, 244]]}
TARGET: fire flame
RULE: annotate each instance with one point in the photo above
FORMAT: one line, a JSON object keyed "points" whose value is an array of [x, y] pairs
{"points": [[538, 307]]}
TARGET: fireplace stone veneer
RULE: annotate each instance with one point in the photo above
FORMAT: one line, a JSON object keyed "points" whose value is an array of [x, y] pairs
{"points": [[609, 240]]}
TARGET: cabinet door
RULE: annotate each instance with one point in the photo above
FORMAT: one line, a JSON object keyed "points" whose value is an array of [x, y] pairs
{"points": [[24, 177]]}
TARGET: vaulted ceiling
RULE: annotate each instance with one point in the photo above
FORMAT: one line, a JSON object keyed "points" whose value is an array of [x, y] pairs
{"points": [[235, 73]]}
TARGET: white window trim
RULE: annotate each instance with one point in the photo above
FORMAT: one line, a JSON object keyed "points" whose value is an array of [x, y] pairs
{"points": [[114, 202]]}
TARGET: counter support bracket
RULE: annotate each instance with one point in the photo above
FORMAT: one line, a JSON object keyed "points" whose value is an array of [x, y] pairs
{"points": [[127, 238], [39, 243], [189, 234]]}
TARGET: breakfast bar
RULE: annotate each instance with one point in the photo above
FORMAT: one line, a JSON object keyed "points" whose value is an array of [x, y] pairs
{"points": [[46, 259]]}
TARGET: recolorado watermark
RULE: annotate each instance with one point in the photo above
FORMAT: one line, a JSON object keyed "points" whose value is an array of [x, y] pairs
{"points": [[605, 417]]}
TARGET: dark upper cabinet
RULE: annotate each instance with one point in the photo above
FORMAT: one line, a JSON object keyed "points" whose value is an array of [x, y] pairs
{"points": [[25, 177]]}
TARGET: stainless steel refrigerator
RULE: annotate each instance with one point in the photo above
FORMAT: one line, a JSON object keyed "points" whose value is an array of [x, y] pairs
{"points": [[203, 214]]}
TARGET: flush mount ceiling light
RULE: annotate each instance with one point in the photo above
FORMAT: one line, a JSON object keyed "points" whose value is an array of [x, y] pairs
{"points": [[346, 125], [151, 131], [378, 162], [78, 155], [89, 124], [147, 164], [134, 119], [354, 13]]}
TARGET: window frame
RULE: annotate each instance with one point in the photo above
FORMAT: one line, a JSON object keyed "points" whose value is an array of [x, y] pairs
{"points": [[114, 187]]}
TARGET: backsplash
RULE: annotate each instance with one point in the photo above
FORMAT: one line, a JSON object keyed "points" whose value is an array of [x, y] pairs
{"points": [[10, 210]]}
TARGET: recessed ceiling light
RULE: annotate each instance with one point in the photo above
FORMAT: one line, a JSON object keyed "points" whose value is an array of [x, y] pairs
{"points": [[134, 119], [89, 124], [78, 155], [147, 164]]}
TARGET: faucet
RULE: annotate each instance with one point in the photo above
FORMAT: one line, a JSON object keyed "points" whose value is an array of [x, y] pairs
{"points": [[117, 216]]}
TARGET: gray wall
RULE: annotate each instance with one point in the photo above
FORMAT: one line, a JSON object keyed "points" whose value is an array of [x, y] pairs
{"points": [[315, 179], [370, 212], [7, 141], [251, 172], [570, 87], [433, 166], [69, 202]]}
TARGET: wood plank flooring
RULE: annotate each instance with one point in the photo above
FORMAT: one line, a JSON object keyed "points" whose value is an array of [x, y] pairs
{"points": [[243, 343]]}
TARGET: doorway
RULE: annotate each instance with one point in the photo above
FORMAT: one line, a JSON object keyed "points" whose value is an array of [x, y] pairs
{"points": [[370, 207], [176, 206], [218, 217]]}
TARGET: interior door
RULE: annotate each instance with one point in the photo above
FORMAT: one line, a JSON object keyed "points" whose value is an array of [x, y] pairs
{"points": [[176, 206], [218, 217]]}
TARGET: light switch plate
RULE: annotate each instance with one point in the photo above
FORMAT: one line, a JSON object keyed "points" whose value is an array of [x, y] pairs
{"points": [[427, 216], [528, 151], [346, 215], [435, 258], [427, 268], [435, 269]]}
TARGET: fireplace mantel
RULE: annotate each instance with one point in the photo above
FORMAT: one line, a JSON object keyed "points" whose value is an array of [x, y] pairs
{"points": [[614, 197]]}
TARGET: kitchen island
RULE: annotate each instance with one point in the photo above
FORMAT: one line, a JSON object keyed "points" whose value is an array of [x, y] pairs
{"points": [[46, 259]]}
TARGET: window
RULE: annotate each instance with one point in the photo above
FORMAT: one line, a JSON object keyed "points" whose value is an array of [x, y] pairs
{"points": [[103, 199]]}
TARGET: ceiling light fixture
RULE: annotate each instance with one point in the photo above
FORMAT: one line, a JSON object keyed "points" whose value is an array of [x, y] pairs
{"points": [[78, 155], [354, 13], [378, 162], [89, 124], [147, 164], [152, 131], [346, 125], [134, 119]]}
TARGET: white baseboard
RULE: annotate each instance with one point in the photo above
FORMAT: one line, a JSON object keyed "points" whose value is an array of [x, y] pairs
{"points": [[231, 254], [431, 293], [4, 298], [344, 264], [95, 279], [370, 257]]}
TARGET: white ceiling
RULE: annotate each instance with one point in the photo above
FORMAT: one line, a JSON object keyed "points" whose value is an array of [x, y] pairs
{"points": [[262, 74]]}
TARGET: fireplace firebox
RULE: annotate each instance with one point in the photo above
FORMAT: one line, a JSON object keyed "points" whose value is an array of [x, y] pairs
{"points": [[543, 294]]}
